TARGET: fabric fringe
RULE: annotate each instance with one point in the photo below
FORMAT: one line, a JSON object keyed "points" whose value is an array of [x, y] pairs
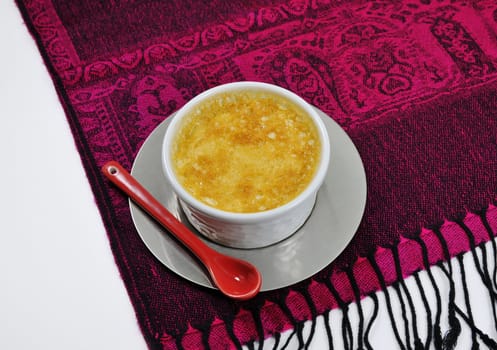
{"points": [[395, 295], [388, 302], [348, 339], [357, 295], [401, 287], [406, 328], [426, 306], [329, 334], [371, 321], [450, 338]]}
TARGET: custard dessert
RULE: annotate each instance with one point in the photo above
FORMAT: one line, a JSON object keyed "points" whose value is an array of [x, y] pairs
{"points": [[246, 151]]}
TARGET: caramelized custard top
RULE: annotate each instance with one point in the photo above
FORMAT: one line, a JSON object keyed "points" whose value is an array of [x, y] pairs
{"points": [[246, 151]]}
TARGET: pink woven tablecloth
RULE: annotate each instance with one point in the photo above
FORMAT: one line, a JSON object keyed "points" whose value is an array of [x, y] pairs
{"points": [[414, 84]]}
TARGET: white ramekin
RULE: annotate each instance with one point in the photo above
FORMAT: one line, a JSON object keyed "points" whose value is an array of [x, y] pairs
{"points": [[247, 230]]}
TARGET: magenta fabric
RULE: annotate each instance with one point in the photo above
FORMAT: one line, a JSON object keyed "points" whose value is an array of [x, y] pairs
{"points": [[414, 84]]}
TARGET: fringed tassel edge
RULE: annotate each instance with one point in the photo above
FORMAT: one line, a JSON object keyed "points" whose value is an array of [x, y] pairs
{"points": [[437, 252]]}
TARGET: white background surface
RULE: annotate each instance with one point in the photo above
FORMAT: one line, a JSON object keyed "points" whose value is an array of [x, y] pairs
{"points": [[59, 285]]}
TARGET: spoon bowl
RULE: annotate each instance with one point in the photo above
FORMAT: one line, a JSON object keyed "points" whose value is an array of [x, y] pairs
{"points": [[236, 278], [243, 279]]}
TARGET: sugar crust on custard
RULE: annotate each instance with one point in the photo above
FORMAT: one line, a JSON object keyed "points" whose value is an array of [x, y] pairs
{"points": [[246, 152]]}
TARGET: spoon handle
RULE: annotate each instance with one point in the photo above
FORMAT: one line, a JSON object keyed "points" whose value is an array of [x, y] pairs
{"points": [[127, 183]]}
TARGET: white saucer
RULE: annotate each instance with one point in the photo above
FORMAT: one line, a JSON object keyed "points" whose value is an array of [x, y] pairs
{"points": [[335, 218]]}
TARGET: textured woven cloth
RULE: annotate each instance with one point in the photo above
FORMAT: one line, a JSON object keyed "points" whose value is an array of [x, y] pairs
{"points": [[413, 83]]}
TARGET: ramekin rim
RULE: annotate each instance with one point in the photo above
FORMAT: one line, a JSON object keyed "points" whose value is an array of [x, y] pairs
{"points": [[235, 217]]}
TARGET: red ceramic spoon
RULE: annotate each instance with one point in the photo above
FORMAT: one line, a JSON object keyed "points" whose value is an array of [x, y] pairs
{"points": [[235, 278]]}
